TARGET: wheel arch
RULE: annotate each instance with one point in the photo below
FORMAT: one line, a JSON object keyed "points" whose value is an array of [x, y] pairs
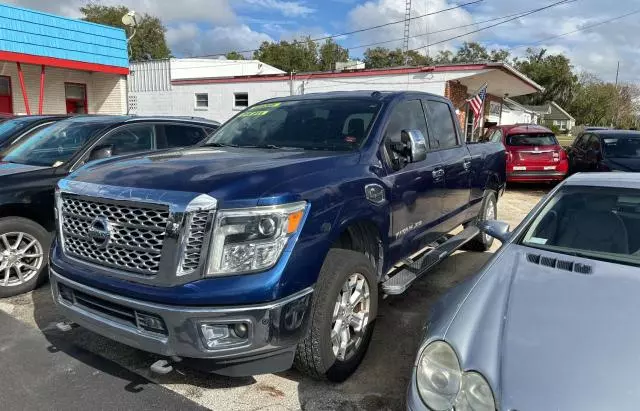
{"points": [[29, 212]]}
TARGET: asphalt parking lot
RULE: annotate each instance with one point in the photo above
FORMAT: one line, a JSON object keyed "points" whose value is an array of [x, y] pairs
{"points": [[379, 383]]}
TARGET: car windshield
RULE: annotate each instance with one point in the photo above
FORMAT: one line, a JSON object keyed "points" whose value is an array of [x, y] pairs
{"points": [[54, 145], [591, 222], [621, 147], [327, 124], [10, 127], [538, 139]]}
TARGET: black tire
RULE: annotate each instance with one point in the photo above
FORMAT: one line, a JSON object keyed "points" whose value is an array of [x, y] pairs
{"points": [[37, 232], [314, 355], [482, 242]]}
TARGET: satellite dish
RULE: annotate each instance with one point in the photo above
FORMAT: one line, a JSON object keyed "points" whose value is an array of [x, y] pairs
{"points": [[129, 19]]}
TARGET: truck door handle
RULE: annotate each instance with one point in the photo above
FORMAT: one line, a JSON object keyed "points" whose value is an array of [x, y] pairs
{"points": [[438, 173], [467, 164]]}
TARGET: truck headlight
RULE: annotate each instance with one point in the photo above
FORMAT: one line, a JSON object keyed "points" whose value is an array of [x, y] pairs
{"points": [[444, 386], [248, 240]]}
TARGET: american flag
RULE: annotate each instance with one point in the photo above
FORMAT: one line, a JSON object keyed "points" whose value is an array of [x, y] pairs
{"points": [[477, 104]]}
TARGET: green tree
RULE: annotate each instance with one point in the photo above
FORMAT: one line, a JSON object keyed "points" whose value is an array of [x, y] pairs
{"points": [[234, 55], [330, 54], [298, 55], [381, 57], [553, 72], [149, 41]]}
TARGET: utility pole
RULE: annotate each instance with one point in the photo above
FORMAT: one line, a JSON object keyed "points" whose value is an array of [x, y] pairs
{"points": [[407, 27], [617, 102]]}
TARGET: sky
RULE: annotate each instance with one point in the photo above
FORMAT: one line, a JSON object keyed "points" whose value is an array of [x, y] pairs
{"points": [[206, 27]]}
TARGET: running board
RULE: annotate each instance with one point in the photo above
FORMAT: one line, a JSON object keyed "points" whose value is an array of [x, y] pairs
{"points": [[414, 269]]}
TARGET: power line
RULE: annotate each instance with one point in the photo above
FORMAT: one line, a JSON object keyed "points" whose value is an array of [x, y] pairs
{"points": [[498, 24], [333, 36], [578, 30], [475, 23]]}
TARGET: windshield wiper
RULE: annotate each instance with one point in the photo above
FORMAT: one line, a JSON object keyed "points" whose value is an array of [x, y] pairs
{"points": [[220, 145]]}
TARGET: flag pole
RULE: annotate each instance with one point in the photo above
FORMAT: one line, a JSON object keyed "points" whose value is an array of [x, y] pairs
{"points": [[473, 131]]}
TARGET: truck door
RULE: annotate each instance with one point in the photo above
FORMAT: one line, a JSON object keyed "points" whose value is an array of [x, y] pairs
{"points": [[415, 188], [456, 162]]}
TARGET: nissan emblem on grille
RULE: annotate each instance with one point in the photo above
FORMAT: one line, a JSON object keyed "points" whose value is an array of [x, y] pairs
{"points": [[100, 232]]}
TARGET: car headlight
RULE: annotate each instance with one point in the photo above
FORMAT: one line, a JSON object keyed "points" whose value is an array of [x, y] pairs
{"points": [[249, 240], [444, 386]]}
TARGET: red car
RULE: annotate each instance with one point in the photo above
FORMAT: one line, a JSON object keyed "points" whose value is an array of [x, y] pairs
{"points": [[533, 153]]}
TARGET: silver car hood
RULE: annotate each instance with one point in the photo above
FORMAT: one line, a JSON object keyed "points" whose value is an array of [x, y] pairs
{"points": [[550, 339]]}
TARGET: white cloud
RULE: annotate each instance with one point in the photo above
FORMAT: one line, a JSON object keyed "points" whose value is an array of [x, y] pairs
{"points": [[377, 12], [212, 11], [287, 8], [188, 39]]}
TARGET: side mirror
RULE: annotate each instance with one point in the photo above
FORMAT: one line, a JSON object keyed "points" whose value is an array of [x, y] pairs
{"points": [[416, 145], [496, 229], [100, 152]]}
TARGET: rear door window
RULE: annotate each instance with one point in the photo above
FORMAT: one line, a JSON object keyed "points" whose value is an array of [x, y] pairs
{"points": [[442, 126], [538, 139]]}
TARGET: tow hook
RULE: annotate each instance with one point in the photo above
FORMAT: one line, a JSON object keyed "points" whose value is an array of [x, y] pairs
{"points": [[65, 326], [163, 367]]}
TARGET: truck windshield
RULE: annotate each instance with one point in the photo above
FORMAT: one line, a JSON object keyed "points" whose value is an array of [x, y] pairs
{"points": [[327, 124], [592, 222], [54, 145], [540, 139], [622, 147]]}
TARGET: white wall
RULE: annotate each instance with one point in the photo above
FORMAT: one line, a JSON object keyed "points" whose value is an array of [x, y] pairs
{"points": [[180, 101], [214, 68], [510, 116], [106, 93]]}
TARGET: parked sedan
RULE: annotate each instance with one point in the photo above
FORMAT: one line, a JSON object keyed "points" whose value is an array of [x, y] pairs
{"points": [[30, 171], [605, 150], [550, 321], [17, 129], [533, 153]]}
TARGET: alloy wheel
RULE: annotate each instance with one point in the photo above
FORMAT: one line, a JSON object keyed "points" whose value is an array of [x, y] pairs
{"points": [[350, 316], [21, 258]]}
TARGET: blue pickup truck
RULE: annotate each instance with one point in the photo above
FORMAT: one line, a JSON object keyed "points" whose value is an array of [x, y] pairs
{"points": [[271, 243]]}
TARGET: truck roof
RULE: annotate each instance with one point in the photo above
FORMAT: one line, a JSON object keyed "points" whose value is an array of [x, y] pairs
{"points": [[360, 94]]}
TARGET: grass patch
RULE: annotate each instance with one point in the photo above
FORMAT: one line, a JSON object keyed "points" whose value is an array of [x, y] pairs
{"points": [[565, 140]]}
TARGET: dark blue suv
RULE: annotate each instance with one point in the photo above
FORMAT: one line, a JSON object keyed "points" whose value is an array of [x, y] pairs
{"points": [[270, 243]]}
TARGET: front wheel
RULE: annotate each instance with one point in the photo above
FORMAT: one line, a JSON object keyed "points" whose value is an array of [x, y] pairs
{"points": [[345, 305], [24, 249], [488, 211]]}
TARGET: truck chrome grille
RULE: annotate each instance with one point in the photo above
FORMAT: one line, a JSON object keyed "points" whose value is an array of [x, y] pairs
{"points": [[132, 241], [193, 251]]}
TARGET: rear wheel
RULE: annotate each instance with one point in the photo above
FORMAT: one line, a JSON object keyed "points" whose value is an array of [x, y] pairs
{"points": [[488, 211], [24, 250], [344, 308]]}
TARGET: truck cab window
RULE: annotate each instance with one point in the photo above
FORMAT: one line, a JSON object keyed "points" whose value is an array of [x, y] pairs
{"points": [[183, 135], [442, 126]]}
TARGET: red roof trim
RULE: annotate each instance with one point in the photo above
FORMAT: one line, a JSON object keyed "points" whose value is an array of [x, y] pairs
{"points": [[359, 73], [61, 63]]}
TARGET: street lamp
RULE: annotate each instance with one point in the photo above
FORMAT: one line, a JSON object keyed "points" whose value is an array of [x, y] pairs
{"points": [[129, 20]]}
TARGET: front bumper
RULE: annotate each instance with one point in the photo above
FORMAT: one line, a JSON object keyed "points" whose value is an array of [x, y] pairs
{"points": [[274, 329]]}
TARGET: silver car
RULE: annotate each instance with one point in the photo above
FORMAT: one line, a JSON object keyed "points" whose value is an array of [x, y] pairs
{"points": [[552, 322]]}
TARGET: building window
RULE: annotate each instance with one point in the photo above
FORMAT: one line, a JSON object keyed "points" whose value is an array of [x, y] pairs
{"points": [[202, 100], [76, 98], [241, 100]]}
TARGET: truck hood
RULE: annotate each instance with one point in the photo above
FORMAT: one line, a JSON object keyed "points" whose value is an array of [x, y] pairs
{"points": [[554, 339], [225, 173]]}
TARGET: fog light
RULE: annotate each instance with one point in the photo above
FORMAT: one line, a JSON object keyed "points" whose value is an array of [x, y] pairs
{"points": [[214, 335], [240, 330]]}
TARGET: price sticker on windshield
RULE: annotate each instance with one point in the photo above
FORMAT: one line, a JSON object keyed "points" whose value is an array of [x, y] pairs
{"points": [[265, 105], [254, 113]]}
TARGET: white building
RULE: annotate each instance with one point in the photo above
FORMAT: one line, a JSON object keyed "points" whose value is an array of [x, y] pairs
{"points": [[515, 113], [218, 89]]}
